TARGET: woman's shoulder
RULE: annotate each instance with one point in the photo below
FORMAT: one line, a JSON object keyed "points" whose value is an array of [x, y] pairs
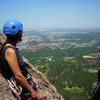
{"points": [[10, 54], [8, 49]]}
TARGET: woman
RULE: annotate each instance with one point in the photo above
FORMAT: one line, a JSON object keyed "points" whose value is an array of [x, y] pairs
{"points": [[12, 62]]}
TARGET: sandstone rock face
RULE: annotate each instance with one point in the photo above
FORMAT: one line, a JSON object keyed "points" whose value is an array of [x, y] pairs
{"points": [[49, 91], [2, 39]]}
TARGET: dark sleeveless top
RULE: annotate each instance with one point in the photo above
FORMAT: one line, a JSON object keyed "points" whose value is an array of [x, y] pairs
{"points": [[6, 71]]}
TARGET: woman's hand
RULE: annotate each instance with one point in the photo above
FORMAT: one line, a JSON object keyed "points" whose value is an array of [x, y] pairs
{"points": [[34, 95]]}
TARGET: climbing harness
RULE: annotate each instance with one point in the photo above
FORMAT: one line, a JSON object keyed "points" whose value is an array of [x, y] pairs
{"points": [[34, 86], [19, 92], [15, 87]]}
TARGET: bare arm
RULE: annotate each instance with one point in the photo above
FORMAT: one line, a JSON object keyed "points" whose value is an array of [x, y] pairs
{"points": [[11, 58]]}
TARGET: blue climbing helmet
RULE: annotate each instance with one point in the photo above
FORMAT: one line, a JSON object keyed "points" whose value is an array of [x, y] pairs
{"points": [[12, 27]]}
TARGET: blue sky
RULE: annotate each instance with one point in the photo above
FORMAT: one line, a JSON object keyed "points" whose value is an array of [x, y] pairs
{"points": [[52, 13]]}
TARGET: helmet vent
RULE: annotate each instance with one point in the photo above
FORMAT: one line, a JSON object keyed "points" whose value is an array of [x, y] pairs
{"points": [[13, 26]]}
